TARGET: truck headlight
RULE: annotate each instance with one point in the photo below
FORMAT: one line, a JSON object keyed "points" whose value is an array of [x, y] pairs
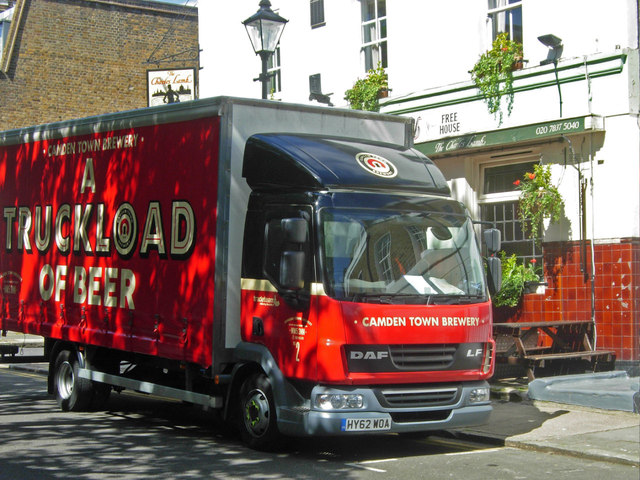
{"points": [[336, 401], [478, 395]]}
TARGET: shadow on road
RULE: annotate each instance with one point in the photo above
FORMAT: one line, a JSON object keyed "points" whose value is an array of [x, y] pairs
{"points": [[141, 437]]}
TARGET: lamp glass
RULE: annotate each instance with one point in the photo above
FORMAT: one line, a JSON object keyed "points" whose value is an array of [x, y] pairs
{"points": [[264, 34]]}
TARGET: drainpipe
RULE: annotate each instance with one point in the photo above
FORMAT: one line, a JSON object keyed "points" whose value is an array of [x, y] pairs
{"points": [[582, 215], [593, 255], [593, 218], [555, 69]]}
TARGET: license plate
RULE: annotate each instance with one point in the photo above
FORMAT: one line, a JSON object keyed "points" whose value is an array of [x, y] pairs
{"points": [[366, 424]]}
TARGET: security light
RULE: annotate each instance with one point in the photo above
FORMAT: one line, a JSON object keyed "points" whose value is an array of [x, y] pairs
{"points": [[555, 48]]}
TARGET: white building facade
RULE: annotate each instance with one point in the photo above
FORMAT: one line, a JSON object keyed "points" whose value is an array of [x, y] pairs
{"points": [[579, 115]]}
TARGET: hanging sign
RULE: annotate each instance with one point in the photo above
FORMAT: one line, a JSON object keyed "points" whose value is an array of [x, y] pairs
{"points": [[170, 86]]}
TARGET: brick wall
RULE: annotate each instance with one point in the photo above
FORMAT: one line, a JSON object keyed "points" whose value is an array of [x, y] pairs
{"points": [[568, 295], [75, 58]]}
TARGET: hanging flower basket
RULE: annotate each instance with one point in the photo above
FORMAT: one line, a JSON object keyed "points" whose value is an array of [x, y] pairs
{"points": [[539, 200], [515, 277], [366, 92], [493, 73]]}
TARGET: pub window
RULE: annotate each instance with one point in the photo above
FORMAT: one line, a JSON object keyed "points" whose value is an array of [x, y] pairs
{"points": [[506, 16], [317, 13], [499, 205], [374, 33]]}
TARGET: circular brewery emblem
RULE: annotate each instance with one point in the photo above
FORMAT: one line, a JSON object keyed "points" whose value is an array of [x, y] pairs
{"points": [[125, 229], [377, 165]]}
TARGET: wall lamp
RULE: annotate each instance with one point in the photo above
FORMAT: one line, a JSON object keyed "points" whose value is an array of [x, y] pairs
{"points": [[555, 48]]}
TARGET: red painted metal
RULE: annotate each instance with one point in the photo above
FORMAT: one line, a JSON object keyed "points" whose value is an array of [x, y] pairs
{"points": [[109, 238]]}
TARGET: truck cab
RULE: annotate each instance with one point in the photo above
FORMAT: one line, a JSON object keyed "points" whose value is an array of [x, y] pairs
{"points": [[363, 291]]}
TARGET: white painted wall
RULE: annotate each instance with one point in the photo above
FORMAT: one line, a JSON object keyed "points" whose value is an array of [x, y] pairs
{"points": [[432, 46], [229, 64], [430, 43]]}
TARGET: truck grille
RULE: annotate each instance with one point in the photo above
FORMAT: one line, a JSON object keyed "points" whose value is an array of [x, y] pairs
{"points": [[418, 397], [414, 358], [422, 357]]}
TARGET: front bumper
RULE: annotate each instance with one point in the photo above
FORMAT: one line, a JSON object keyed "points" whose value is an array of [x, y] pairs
{"points": [[390, 409]]}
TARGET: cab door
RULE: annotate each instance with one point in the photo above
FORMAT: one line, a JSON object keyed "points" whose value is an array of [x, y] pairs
{"points": [[278, 266]]}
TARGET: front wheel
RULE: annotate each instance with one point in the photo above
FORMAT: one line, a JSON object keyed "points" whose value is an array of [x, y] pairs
{"points": [[72, 392], [257, 419]]}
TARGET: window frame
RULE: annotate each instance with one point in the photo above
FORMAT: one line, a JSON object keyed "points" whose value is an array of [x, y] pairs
{"points": [[378, 45], [507, 9], [274, 71], [5, 25], [484, 200]]}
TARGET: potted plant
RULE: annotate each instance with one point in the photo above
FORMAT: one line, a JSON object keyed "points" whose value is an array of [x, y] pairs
{"points": [[539, 200], [515, 278], [493, 73], [366, 92]]}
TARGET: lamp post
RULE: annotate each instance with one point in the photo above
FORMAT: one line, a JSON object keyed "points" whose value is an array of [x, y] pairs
{"points": [[264, 29]]}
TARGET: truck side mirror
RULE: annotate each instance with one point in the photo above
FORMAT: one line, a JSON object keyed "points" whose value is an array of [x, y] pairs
{"points": [[292, 270], [494, 271], [292, 260], [492, 239], [295, 230]]}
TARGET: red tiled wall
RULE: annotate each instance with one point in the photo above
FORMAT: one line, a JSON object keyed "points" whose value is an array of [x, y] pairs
{"points": [[568, 294]]}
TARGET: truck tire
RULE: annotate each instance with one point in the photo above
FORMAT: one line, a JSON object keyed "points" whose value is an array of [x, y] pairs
{"points": [[73, 393], [257, 418]]}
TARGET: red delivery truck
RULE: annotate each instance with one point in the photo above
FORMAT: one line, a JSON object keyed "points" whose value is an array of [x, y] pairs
{"points": [[301, 269]]}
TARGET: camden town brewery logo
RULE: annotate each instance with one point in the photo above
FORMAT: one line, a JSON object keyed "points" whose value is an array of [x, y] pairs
{"points": [[377, 165]]}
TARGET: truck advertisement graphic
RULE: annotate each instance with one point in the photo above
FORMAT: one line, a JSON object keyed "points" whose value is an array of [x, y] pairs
{"points": [[301, 269], [105, 240]]}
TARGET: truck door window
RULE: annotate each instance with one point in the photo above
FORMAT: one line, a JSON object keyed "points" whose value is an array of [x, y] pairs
{"points": [[276, 244]]}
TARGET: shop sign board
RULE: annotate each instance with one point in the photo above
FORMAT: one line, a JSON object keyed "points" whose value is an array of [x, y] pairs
{"points": [[510, 135]]}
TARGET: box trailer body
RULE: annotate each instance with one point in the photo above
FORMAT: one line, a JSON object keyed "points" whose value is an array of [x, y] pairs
{"points": [[302, 269]]}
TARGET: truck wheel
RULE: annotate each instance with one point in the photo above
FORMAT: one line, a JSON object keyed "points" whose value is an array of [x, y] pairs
{"points": [[72, 392], [257, 422]]}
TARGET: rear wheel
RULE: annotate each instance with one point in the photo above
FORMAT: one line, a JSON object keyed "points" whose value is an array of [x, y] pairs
{"points": [[72, 392], [257, 419]]}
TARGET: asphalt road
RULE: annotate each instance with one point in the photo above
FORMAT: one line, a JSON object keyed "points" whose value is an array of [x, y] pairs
{"points": [[145, 438]]}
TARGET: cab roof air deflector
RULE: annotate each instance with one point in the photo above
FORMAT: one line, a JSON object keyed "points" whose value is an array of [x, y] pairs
{"points": [[308, 162]]}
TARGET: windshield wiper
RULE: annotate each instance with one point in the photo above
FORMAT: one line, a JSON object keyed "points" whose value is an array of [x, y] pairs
{"points": [[393, 299], [455, 299], [371, 298], [416, 299]]}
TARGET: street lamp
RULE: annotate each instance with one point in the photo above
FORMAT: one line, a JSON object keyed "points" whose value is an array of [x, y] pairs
{"points": [[264, 29]]}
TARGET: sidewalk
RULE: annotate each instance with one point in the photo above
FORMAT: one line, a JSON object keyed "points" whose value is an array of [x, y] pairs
{"points": [[20, 348], [521, 422], [21, 340], [581, 431]]}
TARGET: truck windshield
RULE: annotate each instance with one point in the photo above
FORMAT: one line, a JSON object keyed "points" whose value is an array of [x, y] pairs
{"points": [[400, 257]]}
